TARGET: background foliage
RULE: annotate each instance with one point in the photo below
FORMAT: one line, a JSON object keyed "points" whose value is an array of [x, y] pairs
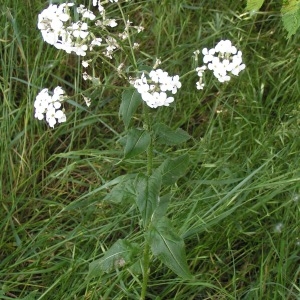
{"points": [[290, 12], [237, 208]]}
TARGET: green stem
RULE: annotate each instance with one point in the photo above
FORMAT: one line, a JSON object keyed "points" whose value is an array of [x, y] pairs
{"points": [[146, 257], [146, 263], [150, 148]]}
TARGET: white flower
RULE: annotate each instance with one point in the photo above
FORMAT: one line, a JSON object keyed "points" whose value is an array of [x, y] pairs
{"points": [[85, 63], [80, 50], [96, 42], [111, 23], [135, 45], [200, 70], [48, 107], [223, 60], [57, 28], [176, 84], [79, 30], [86, 76], [154, 90], [199, 85], [87, 101], [61, 117]]}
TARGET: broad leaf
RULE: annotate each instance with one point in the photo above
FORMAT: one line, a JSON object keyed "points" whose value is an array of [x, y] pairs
{"points": [[161, 207], [123, 191], [31, 296], [119, 255], [144, 69], [137, 267], [137, 142], [254, 5], [130, 101], [166, 135], [291, 16], [148, 195], [167, 245], [172, 169]]}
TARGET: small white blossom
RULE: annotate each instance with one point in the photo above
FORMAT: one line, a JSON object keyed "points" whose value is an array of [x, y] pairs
{"points": [[154, 90], [95, 42], [139, 28], [135, 45], [58, 29], [85, 63], [111, 23], [223, 60], [86, 76], [49, 107], [87, 101], [199, 85]]}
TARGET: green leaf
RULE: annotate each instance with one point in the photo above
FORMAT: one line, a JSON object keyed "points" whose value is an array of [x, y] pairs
{"points": [[119, 255], [145, 69], [137, 267], [166, 135], [31, 296], [291, 16], [124, 190], [290, 6], [172, 169], [167, 245], [161, 208], [131, 99], [147, 198], [137, 142], [254, 5]]}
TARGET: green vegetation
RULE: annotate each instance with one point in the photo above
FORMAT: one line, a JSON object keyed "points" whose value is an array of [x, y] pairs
{"points": [[237, 207]]}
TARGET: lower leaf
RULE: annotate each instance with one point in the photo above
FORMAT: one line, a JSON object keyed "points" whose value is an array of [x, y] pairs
{"points": [[169, 247]]}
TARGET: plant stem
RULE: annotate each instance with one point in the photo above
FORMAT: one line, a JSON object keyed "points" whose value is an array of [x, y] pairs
{"points": [[146, 257], [150, 148], [145, 269]]}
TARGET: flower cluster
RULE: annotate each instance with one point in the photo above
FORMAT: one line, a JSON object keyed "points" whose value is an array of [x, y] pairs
{"points": [[49, 107], [154, 89], [224, 59], [57, 28], [100, 7]]}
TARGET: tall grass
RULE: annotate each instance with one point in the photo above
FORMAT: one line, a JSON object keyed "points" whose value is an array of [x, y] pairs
{"points": [[238, 206]]}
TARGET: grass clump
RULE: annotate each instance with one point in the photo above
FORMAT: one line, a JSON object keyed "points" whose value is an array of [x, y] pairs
{"points": [[237, 207]]}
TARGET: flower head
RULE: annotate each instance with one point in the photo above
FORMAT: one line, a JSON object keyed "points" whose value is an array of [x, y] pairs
{"points": [[58, 29], [223, 60], [49, 107], [155, 87]]}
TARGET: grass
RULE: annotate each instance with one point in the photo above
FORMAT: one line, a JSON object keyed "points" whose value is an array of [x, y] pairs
{"points": [[237, 208]]}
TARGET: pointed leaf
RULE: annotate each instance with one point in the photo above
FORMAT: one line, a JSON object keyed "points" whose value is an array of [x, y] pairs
{"points": [[120, 254], [254, 5], [137, 267], [123, 191], [291, 16], [147, 195], [131, 99], [161, 208], [31, 296], [137, 142], [166, 135], [172, 169], [167, 245]]}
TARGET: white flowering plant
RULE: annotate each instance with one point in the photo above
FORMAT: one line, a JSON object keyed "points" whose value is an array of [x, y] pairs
{"points": [[149, 88]]}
